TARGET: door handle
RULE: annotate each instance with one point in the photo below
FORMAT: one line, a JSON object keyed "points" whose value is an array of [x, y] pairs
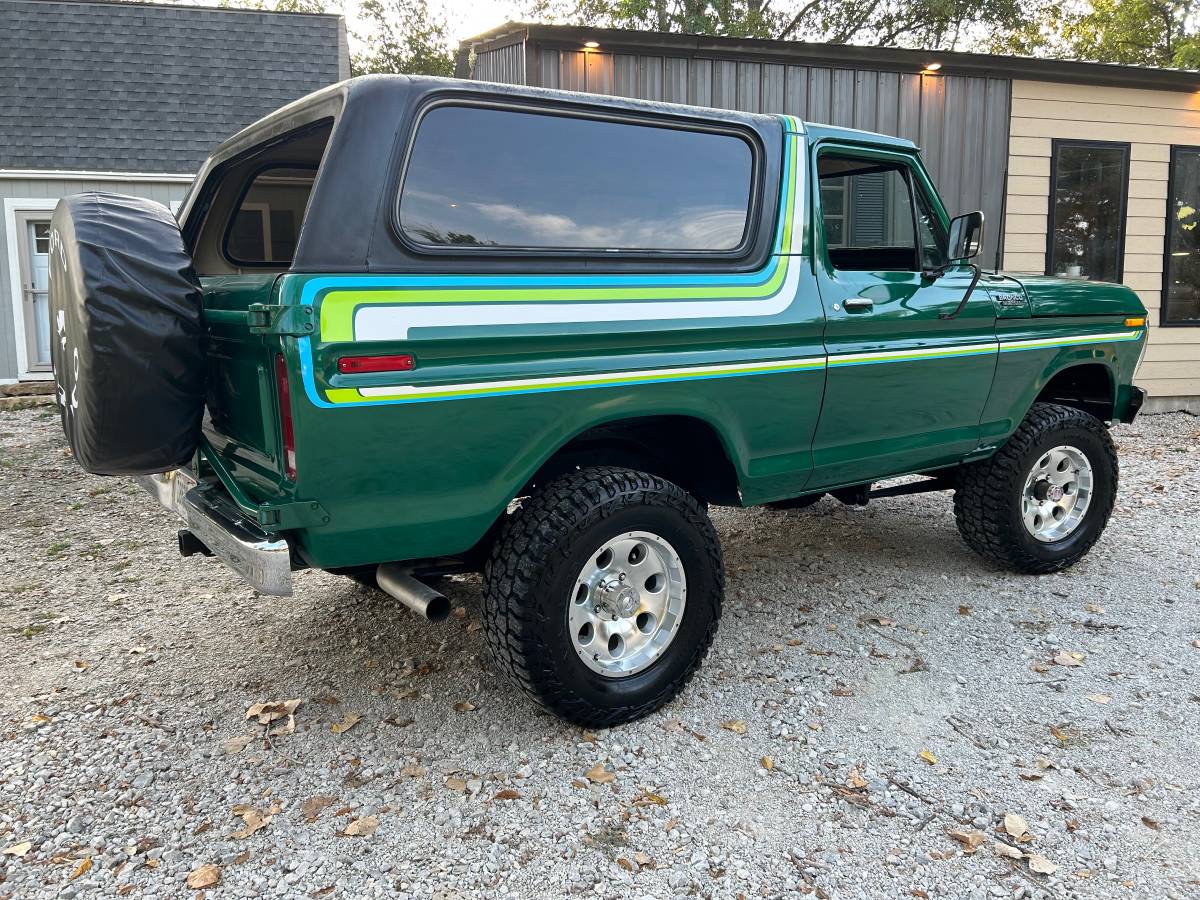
{"points": [[858, 304]]}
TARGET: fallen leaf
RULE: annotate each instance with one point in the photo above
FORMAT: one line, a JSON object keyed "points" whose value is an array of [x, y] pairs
{"points": [[648, 798], [507, 794], [597, 774], [18, 850], [855, 780], [737, 726], [1069, 658], [964, 610], [644, 860], [137, 649], [1041, 865], [364, 827], [348, 721], [1042, 763], [268, 712], [1150, 823], [1015, 825], [1095, 608], [84, 865], [205, 876], [1058, 733], [81, 664], [767, 763], [625, 864], [464, 706], [242, 858], [1003, 849], [1099, 698], [842, 692], [882, 620], [972, 840], [252, 818], [917, 892], [313, 806], [928, 757], [456, 784], [412, 772], [40, 718], [236, 744]]}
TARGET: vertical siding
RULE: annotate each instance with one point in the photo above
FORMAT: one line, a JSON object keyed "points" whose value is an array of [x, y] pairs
{"points": [[960, 123], [40, 189], [1151, 122], [505, 65]]}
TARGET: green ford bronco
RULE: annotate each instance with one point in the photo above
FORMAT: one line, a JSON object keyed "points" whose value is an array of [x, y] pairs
{"points": [[407, 327]]}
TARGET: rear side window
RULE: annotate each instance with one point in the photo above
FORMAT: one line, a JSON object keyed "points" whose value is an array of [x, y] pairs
{"points": [[266, 225], [491, 178]]}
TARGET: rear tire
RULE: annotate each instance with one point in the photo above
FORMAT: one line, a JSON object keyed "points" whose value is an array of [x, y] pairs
{"points": [[1041, 502], [552, 594]]}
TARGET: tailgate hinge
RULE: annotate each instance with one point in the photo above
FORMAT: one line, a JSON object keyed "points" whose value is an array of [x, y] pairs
{"points": [[286, 516], [270, 318]]}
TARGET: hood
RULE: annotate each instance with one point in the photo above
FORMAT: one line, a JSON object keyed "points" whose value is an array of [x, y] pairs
{"points": [[1053, 296]]}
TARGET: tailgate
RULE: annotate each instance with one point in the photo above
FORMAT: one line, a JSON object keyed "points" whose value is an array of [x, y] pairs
{"points": [[242, 421]]}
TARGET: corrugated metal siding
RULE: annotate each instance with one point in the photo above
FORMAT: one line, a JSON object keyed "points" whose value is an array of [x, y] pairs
{"points": [[37, 188], [960, 123], [505, 65]]}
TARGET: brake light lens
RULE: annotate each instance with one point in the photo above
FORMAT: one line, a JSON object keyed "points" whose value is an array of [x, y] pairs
{"points": [[352, 365], [286, 429]]}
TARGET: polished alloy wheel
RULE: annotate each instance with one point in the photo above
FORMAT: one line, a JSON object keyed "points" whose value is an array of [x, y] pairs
{"points": [[1057, 493], [627, 604]]}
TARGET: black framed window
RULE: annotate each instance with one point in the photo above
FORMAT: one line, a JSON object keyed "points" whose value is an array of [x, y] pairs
{"points": [[1181, 267], [507, 179], [1089, 181], [266, 226]]}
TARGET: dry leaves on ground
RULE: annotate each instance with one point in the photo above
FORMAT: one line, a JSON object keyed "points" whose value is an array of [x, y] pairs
{"points": [[236, 744], [737, 726], [274, 710], [1069, 658], [348, 721], [855, 780], [597, 774], [252, 818], [971, 840], [507, 794], [1015, 825], [18, 850], [456, 784], [464, 706], [928, 757], [1099, 698], [1041, 865], [364, 827], [205, 876], [1003, 849], [84, 865], [314, 806]]}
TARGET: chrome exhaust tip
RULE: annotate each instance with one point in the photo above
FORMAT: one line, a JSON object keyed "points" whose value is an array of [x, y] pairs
{"points": [[416, 595]]}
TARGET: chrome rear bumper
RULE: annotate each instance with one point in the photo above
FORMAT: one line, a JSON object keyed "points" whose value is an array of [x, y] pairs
{"points": [[263, 560]]}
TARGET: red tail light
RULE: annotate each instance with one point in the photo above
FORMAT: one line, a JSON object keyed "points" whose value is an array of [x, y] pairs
{"points": [[286, 429], [349, 365]]}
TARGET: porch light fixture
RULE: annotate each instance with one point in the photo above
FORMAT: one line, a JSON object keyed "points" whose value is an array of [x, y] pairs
{"points": [[932, 67], [591, 45]]}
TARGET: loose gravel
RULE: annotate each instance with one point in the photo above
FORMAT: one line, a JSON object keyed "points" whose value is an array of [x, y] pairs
{"points": [[874, 689]]}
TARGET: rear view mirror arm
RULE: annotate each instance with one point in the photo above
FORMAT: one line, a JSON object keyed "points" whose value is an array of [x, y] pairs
{"points": [[976, 273]]}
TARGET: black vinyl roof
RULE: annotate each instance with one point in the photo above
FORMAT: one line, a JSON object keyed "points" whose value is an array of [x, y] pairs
{"points": [[851, 56], [131, 87]]}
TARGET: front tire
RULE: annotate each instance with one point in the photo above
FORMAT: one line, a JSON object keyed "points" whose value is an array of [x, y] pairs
{"points": [[602, 594], [1041, 502]]}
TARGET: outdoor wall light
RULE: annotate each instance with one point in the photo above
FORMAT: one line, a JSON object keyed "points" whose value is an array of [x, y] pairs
{"points": [[932, 67], [591, 45]]}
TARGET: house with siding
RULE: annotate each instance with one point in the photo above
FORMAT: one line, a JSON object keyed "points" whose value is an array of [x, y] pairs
{"points": [[127, 97], [1082, 170]]}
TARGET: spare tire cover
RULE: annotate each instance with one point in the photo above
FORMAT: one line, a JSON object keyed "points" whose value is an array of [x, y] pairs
{"points": [[127, 334]]}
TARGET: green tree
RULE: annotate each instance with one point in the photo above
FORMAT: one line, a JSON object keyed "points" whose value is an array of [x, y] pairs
{"points": [[402, 36], [911, 23]]}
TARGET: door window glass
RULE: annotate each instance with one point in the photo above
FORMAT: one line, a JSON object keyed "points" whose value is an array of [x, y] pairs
{"points": [[1089, 183], [1181, 294], [870, 225], [479, 177]]}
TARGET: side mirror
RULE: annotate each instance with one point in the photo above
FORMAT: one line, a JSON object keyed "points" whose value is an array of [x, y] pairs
{"points": [[966, 236]]}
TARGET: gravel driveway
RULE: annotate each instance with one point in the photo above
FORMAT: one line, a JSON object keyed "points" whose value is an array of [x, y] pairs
{"points": [[877, 701]]}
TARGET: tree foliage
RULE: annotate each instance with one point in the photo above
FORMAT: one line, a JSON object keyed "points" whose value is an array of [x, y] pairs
{"points": [[402, 36]]}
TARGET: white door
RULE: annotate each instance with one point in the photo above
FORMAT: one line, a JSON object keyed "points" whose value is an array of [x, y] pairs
{"points": [[37, 304]]}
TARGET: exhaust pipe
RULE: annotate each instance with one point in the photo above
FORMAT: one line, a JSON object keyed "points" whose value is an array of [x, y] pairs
{"points": [[416, 595]]}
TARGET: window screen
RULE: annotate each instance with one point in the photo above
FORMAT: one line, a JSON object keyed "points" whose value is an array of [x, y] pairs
{"points": [[481, 177], [1088, 210], [867, 210], [266, 225], [1181, 290]]}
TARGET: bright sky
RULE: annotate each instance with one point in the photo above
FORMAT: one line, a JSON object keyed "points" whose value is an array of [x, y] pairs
{"points": [[466, 18]]}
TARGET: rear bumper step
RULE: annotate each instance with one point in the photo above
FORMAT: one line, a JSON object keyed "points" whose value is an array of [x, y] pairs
{"points": [[263, 560]]}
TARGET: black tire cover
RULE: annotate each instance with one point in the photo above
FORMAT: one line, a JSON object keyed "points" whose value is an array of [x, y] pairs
{"points": [[127, 334]]}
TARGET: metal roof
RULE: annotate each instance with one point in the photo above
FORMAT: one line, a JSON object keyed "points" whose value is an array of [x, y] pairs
{"points": [[614, 40], [138, 87]]}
